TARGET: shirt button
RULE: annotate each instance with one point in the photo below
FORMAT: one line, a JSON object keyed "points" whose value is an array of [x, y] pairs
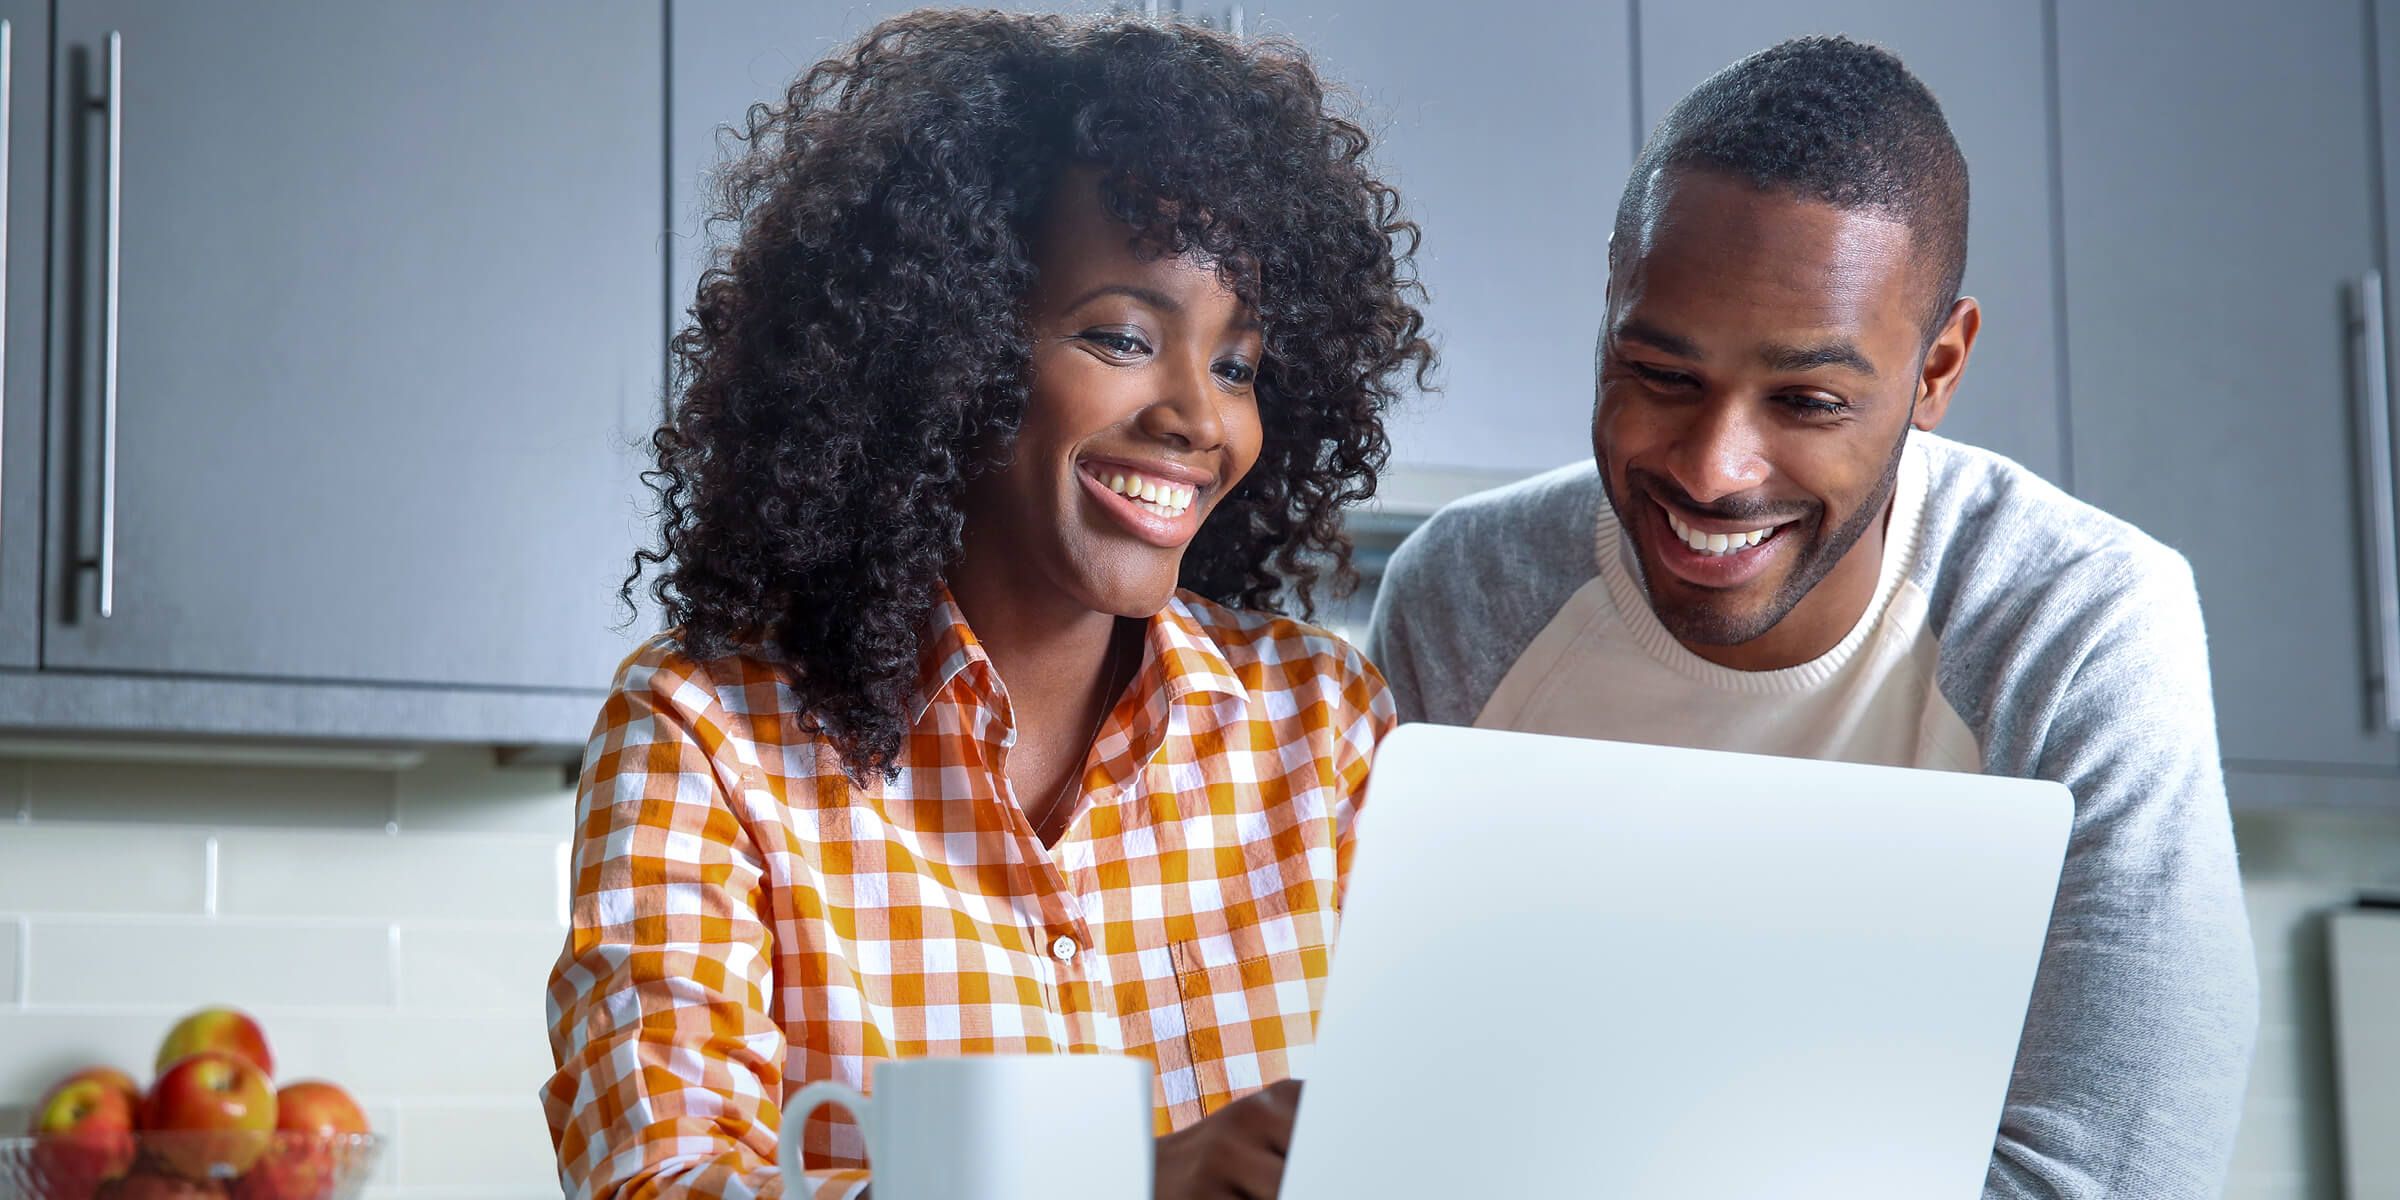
{"points": [[1063, 949]]}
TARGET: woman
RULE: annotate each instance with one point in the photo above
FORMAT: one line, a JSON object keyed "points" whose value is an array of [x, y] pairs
{"points": [[1046, 357]]}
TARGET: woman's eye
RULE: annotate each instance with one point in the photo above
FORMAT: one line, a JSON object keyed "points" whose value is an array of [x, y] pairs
{"points": [[1117, 342], [1236, 372]]}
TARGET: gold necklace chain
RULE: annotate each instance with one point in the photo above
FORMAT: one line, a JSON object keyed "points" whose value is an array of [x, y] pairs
{"points": [[1108, 704]]}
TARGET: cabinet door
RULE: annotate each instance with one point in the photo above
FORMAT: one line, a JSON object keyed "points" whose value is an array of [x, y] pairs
{"points": [[387, 305], [1508, 130], [2216, 164], [24, 90], [1984, 63]]}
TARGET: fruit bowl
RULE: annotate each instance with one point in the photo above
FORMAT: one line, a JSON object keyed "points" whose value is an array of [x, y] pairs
{"points": [[204, 1165]]}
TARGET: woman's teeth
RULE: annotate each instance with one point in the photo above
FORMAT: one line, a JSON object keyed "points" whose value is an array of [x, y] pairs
{"points": [[1716, 543], [1165, 499]]}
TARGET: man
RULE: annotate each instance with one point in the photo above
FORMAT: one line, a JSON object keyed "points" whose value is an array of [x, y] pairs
{"points": [[1772, 553]]}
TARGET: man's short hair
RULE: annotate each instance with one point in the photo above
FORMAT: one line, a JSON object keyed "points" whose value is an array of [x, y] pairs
{"points": [[1827, 119]]}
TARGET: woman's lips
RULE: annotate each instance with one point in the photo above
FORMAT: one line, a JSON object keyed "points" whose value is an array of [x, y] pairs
{"points": [[1730, 569], [1161, 525]]}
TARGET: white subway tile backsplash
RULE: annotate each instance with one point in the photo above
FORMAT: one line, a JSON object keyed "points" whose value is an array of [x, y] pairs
{"points": [[210, 794], [503, 1148], [12, 945], [13, 805], [180, 964], [400, 1056], [102, 868], [477, 967], [40, 1047], [462, 791], [489, 877]]}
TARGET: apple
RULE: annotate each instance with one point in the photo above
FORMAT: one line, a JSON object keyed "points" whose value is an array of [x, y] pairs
{"points": [[83, 1132], [216, 1029], [209, 1116], [311, 1117], [153, 1185]]}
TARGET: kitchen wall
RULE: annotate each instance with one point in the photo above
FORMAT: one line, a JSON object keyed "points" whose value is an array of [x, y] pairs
{"points": [[2340, 837], [392, 929]]}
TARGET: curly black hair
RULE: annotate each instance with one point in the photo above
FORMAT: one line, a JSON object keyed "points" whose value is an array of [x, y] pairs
{"points": [[860, 350]]}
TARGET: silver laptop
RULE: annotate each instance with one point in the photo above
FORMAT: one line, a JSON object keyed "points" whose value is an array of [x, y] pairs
{"points": [[1578, 968]]}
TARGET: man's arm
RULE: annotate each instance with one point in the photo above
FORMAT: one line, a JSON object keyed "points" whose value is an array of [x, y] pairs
{"points": [[1389, 645], [2136, 1052]]}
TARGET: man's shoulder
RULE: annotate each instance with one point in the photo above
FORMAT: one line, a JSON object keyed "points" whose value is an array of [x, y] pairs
{"points": [[2036, 597], [1544, 522], [1995, 534], [1469, 589]]}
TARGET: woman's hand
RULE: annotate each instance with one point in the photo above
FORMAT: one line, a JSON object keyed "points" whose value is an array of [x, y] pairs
{"points": [[1235, 1152]]}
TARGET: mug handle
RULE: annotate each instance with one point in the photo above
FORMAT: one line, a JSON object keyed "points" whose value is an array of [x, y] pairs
{"points": [[808, 1100]]}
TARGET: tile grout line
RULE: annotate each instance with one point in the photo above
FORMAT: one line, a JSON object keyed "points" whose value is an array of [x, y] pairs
{"points": [[392, 963]]}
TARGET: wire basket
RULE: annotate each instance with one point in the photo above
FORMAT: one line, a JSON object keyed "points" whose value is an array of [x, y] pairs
{"points": [[170, 1165]]}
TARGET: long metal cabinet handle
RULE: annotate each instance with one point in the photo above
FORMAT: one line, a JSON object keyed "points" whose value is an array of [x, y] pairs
{"points": [[108, 329], [2375, 459], [8, 81]]}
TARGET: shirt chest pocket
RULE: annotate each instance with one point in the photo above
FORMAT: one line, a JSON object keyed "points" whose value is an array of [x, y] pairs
{"points": [[1249, 993]]}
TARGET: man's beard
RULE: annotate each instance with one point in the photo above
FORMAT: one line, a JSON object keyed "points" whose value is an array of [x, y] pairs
{"points": [[1705, 624]]}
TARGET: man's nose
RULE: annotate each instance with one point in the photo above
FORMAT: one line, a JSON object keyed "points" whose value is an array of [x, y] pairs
{"points": [[1720, 452]]}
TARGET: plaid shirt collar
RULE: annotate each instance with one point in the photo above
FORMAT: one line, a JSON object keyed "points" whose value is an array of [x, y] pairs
{"points": [[1181, 667]]}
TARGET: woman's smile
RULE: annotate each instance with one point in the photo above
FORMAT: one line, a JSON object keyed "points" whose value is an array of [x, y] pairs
{"points": [[1159, 502]]}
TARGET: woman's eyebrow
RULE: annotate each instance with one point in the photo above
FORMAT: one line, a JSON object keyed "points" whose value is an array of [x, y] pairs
{"points": [[1155, 299]]}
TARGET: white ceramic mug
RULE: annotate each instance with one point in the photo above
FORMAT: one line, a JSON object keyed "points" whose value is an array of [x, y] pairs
{"points": [[997, 1127]]}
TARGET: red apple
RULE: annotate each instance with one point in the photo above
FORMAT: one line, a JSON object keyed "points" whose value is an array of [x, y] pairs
{"points": [[216, 1029], [153, 1185], [312, 1118], [208, 1117], [83, 1130]]}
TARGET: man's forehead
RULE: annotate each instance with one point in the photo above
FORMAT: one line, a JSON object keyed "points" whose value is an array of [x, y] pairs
{"points": [[1717, 261]]}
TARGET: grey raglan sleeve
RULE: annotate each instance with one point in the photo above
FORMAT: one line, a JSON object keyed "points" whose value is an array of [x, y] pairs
{"points": [[2136, 1051], [1391, 642]]}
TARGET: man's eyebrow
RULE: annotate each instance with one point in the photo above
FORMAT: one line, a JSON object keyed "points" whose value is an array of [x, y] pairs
{"points": [[1809, 358], [1659, 339]]}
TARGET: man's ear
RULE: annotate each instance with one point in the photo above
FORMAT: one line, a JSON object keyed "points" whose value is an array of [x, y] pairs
{"points": [[1946, 363]]}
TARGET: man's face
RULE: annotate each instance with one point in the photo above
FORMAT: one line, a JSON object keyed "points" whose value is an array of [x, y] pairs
{"points": [[1763, 358]]}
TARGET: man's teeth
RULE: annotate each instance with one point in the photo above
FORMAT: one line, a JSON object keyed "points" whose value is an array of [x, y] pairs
{"points": [[1716, 543], [1169, 499]]}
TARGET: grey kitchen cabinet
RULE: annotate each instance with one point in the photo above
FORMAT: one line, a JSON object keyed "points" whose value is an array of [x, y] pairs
{"points": [[2217, 169], [24, 176], [1508, 130], [381, 318], [1986, 64]]}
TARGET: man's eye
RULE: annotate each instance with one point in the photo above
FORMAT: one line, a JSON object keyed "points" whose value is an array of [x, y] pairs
{"points": [[1817, 406], [1662, 378]]}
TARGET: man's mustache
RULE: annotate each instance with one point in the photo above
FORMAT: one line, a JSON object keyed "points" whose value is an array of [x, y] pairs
{"points": [[1731, 508]]}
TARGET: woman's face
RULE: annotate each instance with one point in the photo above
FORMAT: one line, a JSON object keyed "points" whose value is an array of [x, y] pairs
{"points": [[1143, 415]]}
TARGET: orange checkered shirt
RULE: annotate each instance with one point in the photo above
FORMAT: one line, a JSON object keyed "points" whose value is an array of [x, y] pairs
{"points": [[747, 920]]}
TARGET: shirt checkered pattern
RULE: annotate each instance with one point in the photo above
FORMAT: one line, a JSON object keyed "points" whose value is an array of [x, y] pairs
{"points": [[746, 920]]}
